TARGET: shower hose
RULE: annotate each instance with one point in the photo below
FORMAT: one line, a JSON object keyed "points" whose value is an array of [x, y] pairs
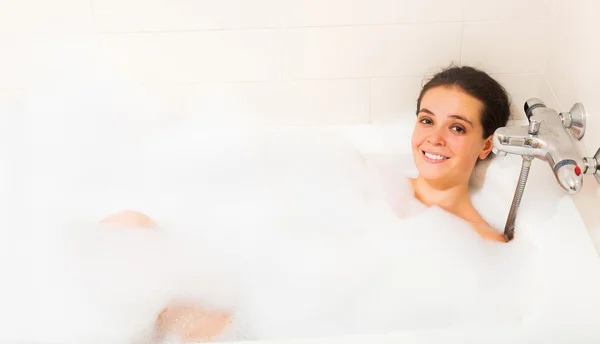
{"points": [[509, 228]]}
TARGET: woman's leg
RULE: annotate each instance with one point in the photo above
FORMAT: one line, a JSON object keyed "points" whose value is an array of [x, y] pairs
{"points": [[189, 322], [129, 218]]}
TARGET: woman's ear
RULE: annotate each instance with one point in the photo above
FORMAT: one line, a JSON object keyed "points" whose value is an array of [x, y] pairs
{"points": [[487, 148]]}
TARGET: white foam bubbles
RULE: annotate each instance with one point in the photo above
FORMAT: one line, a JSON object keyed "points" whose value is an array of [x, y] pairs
{"points": [[298, 232]]}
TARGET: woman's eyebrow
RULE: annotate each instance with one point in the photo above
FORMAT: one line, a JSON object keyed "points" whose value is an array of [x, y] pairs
{"points": [[427, 111], [462, 118]]}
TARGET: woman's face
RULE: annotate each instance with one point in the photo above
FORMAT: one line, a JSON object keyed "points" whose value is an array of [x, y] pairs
{"points": [[448, 137]]}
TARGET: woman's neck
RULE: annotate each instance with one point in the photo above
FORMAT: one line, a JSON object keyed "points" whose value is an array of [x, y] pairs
{"points": [[450, 197], [454, 198]]}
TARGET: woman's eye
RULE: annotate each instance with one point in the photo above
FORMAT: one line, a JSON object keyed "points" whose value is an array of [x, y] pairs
{"points": [[459, 129], [425, 121]]}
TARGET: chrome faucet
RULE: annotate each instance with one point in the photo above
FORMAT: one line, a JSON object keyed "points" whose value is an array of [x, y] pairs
{"points": [[549, 137]]}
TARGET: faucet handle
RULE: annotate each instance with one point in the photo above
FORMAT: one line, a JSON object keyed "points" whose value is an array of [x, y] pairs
{"points": [[534, 126], [591, 165], [574, 120]]}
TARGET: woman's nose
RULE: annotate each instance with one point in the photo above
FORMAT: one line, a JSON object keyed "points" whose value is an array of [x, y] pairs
{"points": [[437, 138]]}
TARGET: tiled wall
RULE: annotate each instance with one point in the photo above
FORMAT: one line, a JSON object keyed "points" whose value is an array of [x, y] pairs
{"points": [[573, 74], [289, 61]]}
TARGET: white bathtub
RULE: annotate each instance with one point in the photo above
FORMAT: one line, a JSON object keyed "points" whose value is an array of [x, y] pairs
{"points": [[566, 309]]}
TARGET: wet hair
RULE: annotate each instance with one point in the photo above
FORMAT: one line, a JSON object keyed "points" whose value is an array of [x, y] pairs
{"points": [[478, 84]]}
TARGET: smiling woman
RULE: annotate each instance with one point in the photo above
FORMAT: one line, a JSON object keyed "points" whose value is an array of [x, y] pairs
{"points": [[458, 111]]}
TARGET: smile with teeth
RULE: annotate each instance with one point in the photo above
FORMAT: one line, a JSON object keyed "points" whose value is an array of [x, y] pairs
{"points": [[434, 157]]}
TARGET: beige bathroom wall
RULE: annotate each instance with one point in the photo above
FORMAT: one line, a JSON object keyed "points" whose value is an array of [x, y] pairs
{"points": [[572, 74], [286, 61]]}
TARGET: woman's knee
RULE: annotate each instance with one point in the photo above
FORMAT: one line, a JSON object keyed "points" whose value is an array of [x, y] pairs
{"points": [[130, 219], [192, 323]]}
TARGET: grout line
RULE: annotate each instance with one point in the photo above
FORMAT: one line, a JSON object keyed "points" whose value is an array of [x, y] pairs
{"points": [[280, 56], [404, 77], [273, 80], [431, 74], [370, 119], [94, 15], [549, 35], [278, 13], [553, 93], [462, 33], [12, 89], [152, 32], [259, 28], [462, 37], [522, 74], [280, 39]]}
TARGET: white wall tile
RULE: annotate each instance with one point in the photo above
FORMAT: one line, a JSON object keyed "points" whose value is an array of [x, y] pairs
{"points": [[18, 16], [369, 51], [547, 95], [35, 57], [160, 15], [307, 102], [11, 96], [521, 87], [356, 12], [573, 71], [506, 47], [11, 101], [476, 10], [394, 98], [14, 62], [245, 55]]}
